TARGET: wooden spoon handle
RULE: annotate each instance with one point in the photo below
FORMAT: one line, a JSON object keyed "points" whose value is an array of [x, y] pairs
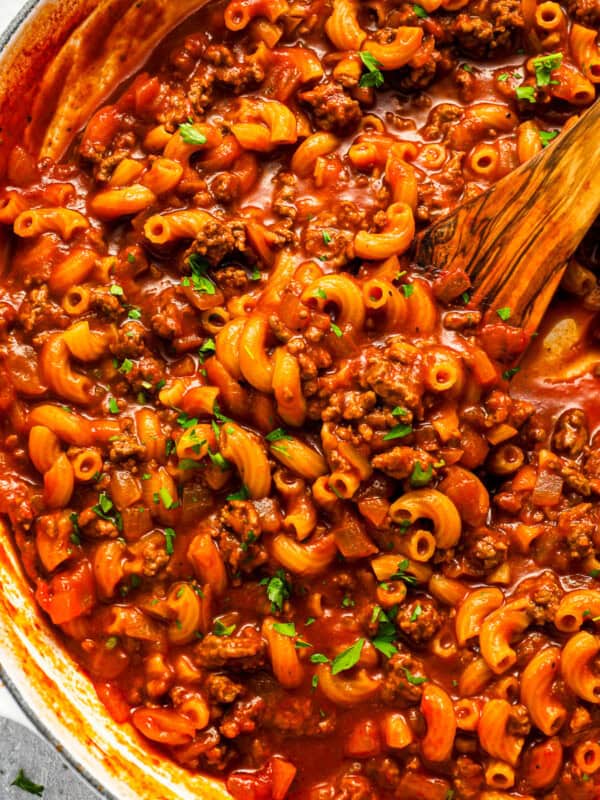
{"points": [[514, 239]]}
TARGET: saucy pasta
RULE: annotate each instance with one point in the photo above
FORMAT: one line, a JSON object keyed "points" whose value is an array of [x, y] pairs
{"points": [[287, 500]]}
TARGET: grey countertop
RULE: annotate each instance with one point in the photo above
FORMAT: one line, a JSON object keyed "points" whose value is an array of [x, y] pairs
{"points": [[20, 746]]}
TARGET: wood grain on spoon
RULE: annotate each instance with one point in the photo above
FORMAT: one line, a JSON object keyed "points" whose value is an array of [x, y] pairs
{"points": [[514, 240]]}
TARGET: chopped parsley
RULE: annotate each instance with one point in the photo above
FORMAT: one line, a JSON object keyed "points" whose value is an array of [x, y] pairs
{"points": [[544, 66], [223, 630], [321, 293], [27, 785], [319, 658], [111, 642], [255, 274], [466, 67], [348, 659], [504, 313], [373, 77], [398, 432], [170, 541], [191, 135], [420, 12], [465, 297], [113, 406], [525, 93], [326, 237], [134, 313], [277, 435], [186, 422], [508, 373], [402, 575], [165, 496], [503, 77], [116, 290], [105, 509], [416, 613], [547, 136], [285, 628], [416, 680], [207, 347], [336, 330], [407, 289], [398, 411], [218, 460], [126, 366], [199, 280], [310, 620], [243, 494], [348, 602], [386, 631], [419, 476], [278, 589]]}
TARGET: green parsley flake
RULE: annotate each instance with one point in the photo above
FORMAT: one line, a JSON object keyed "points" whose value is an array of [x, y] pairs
{"points": [[321, 293], [398, 432], [398, 411], [170, 541], [134, 313], [27, 785], [336, 330], [319, 658], [223, 630], [326, 237], [402, 575], [113, 406], [165, 496], [277, 434], [348, 659], [285, 628], [544, 66], [419, 476], [525, 93], [407, 289], [504, 313], [416, 613], [547, 136], [278, 589], [191, 135], [420, 12], [503, 77], [373, 78], [199, 280], [415, 680], [243, 494], [466, 67], [126, 366], [115, 290], [508, 373]]}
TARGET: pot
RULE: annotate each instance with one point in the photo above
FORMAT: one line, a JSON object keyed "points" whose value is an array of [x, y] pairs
{"points": [[51, 81]]}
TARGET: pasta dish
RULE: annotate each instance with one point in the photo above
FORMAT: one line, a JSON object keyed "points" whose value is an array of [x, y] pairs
{"points": [[303, 516]]}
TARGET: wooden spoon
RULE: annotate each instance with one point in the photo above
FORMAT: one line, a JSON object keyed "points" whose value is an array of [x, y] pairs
{"points": [[514, 240]]}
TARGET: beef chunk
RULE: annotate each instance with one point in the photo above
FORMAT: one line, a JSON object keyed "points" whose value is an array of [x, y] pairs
{"points": [[298, 716], [332, 108], [245, 650], [243, 717], [487, 27], [218, 239], [585, 12], [222, 689], [571, 432], [396, 686], [419, 620]]}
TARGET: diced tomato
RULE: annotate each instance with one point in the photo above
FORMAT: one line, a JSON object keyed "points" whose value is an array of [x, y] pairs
{"points": [[283, 772], [112, 697], [69, 594]]}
